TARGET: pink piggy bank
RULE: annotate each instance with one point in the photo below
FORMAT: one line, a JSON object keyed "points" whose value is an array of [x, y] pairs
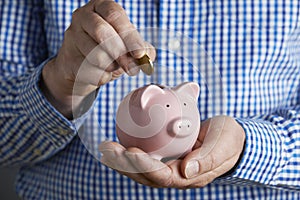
{"points": [[161, 121]]}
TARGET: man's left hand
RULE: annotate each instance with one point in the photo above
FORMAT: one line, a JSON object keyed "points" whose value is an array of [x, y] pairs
{"points": [[216, 151]]}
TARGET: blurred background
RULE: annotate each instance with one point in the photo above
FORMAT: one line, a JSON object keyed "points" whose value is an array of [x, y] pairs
{"points": [[7, 188]]}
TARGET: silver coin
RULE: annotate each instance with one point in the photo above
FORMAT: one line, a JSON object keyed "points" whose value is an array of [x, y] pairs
{"points": [[146, 64]]}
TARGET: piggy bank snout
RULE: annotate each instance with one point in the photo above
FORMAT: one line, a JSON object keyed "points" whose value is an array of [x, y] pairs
{"points": [[180, 127]]}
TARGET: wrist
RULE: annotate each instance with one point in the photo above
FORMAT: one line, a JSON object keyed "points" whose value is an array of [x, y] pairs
{"points": [[55, 89]]}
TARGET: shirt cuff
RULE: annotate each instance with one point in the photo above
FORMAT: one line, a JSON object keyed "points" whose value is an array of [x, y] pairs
{"points": [[262, 155], [52, 123]]}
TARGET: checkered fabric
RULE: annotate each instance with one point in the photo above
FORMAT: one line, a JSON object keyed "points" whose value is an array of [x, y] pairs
{"points": [[245, 55]]}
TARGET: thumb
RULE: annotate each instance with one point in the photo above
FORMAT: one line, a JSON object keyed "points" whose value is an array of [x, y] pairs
{"points": [[211, 153]]}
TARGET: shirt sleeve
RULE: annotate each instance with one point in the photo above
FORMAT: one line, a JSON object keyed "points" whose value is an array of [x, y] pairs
{"points": [[31, 128], [272, 151]]}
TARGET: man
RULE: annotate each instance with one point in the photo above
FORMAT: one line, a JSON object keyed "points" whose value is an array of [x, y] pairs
{"points": [[53, 62]]}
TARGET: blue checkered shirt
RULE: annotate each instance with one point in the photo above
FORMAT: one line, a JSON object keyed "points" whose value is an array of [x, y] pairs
{"points": [[245, 55]]}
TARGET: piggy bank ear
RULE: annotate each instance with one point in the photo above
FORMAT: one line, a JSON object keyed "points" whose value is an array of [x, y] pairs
{"points": [[188, 88], [150, 93]]}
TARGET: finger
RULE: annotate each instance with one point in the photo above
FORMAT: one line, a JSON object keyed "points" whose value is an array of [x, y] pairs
{"points": [[92, 75], [150, 50], [115, 15], [84, 43], [124, 166], [96, 56], [92, 51], [117, 73], [113, 50], [129, 65], [106, 37], [156, 172], [206, 178], [143, 162], [178, 181], [89, 29], [101, 31], [101, 59], [116, 161], [210, 135], [113, 157], [203, 131], [139, 178], [216, 149]]}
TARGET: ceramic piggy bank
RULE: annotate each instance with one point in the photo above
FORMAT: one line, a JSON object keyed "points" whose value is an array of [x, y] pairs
{"points": [[161, 121]]}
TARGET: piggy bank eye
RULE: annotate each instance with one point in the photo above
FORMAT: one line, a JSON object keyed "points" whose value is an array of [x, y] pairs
{"points": [[168, 105], [184, 104]]}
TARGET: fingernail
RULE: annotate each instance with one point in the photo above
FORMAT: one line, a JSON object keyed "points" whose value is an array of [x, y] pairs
{"points": [[137, 51], [133, 70], [104, 78], [192, 169]]}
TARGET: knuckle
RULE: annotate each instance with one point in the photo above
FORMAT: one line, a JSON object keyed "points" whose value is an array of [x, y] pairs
{"points": [[208, 163], [76, 14], [104, 78], [113, 15], [166, 183], [69, 32], [129, 33], [213, 160], [102, 32], [110, 67], [111, 11], [117, 73]]}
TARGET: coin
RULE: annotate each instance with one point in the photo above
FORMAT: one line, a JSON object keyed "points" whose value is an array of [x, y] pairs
{"points": [[146, 64]]}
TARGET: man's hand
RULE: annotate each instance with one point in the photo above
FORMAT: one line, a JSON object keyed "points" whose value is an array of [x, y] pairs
{"points": [[99, 45], [217, 150]]}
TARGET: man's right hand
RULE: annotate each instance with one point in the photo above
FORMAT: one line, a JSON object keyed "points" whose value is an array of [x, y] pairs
{"points": [[99, 46]]}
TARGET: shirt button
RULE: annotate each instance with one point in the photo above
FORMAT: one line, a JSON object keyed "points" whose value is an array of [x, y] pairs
{"points": [[63, 131]]}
